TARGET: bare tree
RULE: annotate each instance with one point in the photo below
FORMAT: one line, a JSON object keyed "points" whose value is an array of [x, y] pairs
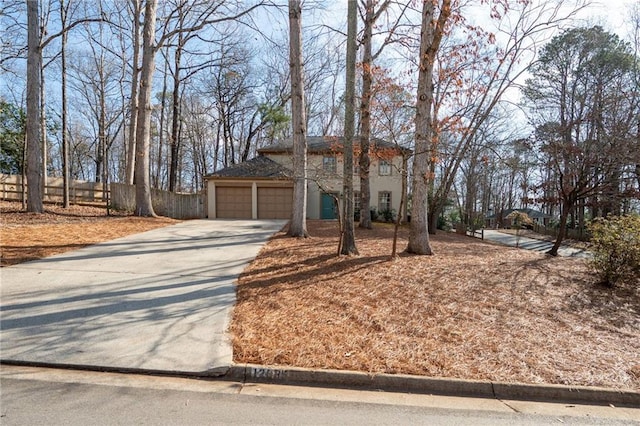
{"points": [[298, 225], [136, 12], [37, 40], [433, 26], [143, 121], [208, 13], [348, 238], [34, 148], [365, 110], [370, 18], [64, 12]]}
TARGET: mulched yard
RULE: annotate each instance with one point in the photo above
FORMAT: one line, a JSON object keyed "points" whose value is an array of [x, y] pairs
{"points": [[28, 236], [475, 310]]}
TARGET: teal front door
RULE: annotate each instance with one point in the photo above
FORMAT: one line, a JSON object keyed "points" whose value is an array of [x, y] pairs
{"points": [[327, 207]]}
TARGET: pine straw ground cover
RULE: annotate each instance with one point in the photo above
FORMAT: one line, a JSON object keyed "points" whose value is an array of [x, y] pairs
{"points": [[475, 310], [28, 236]]}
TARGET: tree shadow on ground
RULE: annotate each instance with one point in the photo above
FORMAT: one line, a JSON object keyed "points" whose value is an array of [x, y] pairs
{"points": [[311, 271], [618, 307]]}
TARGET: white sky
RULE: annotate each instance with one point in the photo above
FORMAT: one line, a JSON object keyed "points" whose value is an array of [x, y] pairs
{"points": [[613, 12]]}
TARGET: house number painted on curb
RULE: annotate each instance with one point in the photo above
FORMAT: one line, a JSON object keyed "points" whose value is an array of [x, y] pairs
{"points": [[265, 373]]}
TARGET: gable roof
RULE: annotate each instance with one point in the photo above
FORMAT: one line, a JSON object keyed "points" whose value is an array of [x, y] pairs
{"points": [[324, 144], [257, 168]]}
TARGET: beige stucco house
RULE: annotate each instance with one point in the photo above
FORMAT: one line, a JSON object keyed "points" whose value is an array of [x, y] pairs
{"points": [[261, 188]]}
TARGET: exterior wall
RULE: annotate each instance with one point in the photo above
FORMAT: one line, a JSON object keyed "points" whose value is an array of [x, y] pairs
{"points": [[321, 181]]}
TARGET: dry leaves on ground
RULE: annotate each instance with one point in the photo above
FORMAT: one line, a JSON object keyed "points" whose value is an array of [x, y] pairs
{"points": [[475, 310], [30, 236]]}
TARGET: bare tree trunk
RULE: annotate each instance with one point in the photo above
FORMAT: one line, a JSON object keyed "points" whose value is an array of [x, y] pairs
{"points": [[23, 186], [43, 131], [365, 117], [103, 133], [430, 37], [34, 147], [102, 121], [143, 131], [176, 113], [562, 230], [348, 245], [65, 140], [298, 226], [401, 207], [131, 152], [163, 94]]}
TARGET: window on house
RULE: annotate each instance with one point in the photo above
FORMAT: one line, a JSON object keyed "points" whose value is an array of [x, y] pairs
{"points": [[384, 201], [356, 201], [329, 164], [384, 168]]}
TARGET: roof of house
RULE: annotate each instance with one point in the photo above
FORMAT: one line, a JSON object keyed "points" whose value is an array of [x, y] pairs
{"points": [[320, 144], [257, 168]]}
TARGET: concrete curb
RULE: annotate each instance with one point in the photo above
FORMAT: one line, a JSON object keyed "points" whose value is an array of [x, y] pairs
{"points": [[345, 379], [437, 386]]}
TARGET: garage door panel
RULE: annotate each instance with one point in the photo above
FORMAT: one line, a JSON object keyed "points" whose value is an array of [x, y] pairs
{"points": [[275, 203], [233, 202]]}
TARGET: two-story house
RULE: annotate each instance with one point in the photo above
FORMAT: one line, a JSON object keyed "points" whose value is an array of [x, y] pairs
{"points": [[262, 188]]}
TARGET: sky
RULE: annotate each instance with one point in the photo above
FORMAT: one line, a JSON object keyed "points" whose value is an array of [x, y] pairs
{"points": [[613, 12]]}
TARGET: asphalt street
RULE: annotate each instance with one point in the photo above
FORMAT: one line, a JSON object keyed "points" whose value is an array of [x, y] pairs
{"points": [[58, 397], [532, 244]]}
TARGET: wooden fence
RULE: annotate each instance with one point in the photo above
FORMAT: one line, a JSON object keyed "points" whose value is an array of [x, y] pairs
{"points": [[475, 233], [11, 188], [165, 203]]}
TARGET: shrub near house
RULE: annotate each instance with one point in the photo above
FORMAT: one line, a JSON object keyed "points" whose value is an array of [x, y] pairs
{"points": [[615, 244]]}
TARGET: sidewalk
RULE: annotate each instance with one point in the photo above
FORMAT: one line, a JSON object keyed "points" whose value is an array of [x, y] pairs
{"points": [[155, 301]]}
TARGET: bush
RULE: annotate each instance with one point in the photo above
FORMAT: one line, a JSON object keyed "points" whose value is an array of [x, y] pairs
{"points": [[387, 215], [519, 219], [615, 243], [444, 223]]}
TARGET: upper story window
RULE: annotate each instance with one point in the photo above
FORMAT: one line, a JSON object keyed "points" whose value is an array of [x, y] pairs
{"points": [[329, 164], [384, 168]]}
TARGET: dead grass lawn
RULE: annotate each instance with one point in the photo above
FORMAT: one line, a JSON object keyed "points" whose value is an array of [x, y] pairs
{"points": [[28, 236], [475, 310]]}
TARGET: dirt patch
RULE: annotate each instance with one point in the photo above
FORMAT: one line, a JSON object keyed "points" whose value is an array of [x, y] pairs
{"points": [[30, 236], [473, 311]]}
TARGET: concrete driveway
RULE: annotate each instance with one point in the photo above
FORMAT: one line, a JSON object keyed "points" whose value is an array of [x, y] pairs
{"points": [[158, 301], [532, 244]]}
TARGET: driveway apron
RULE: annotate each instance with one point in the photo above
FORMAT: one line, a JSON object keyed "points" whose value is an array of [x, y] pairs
{"points": [[158, 301]]}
